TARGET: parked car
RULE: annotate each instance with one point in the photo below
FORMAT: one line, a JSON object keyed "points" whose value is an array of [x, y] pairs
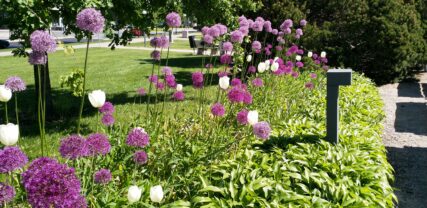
{"points": [[4, 44]]}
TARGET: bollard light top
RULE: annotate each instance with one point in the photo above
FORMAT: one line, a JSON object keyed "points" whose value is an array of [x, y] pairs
{"points": [[339, 77]]}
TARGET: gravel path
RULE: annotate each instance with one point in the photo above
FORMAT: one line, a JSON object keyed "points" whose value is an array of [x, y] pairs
{"points": [[405, 137]]}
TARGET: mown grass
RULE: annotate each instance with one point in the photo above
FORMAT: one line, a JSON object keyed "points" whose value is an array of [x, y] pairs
{"points": [[118, 72]]}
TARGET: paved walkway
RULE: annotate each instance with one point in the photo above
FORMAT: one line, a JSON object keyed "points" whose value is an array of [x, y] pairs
{"points": [[405, 138]]}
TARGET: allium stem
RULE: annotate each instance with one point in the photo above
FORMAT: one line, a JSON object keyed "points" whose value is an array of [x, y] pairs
{"points": [[151, 85], [44, 107], [5, 112], [82, 102], [39, 109], [16, 109], [164, 93]]}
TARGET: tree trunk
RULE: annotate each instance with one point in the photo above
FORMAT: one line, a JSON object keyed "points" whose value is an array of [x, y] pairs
{"points": [[50, 111]]}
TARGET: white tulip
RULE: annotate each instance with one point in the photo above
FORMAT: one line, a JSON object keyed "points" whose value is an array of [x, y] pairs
{"points": [[252, 117], [275, 59], [298, 58], [134, 194], [156, 193], [267, 64], [249, 58], [179, 87], [9, 134], [224, 82], [97, 98], [310, 54], [262, 67], [5, 93], [323, 54], [274, 67]]}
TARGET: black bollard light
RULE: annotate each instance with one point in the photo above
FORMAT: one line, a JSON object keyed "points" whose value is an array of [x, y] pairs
{"points": [[335, 78]]}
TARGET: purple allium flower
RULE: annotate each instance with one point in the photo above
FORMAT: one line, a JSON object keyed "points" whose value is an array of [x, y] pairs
{"points": [[257, 82], [12, 158], [153, 78], [239, 94], [167, 70], [73, 147], [42, 41], [141, 91], [256, 45], [286, 24], [293, 49], [178, 96], [51, 184], [247, 98], [137, 137], [16, 84], [155, 55], [197, 78], [299, 64], [325, 67], [290, 64], [278, 48], [251, 69], [160, 86], [173, 19], [155, 42], [222, 28], [208, 39], [225, 59], [250, 22], [287, 31], [295, 74], [222, 74], [267, 26], [309, 85], [244, 30], [259, 19], [243, 23], [227, 46], [98, 144], [107, 108], [37, 58], [242, 117], [90, 20], [108, 120], [218, 110], [324, 60], [257, 26], [214, 32], [303, 23], [236, 36], [236, 82], [313, 75], [315, 56], [140, 157], [209, 66], [102, 176], [164, 42], [267, 52], [262, 130], [274, 31], [205, 30], [298, 32], [170, 81], [7, 193], [300, 51], [317, 61]]}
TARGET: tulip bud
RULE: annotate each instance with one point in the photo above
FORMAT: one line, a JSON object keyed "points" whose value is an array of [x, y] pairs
{"points": [[310, 54], [261, 67], [323, 54], [156, 193], [224, 82], [249, 58], [9, 134], [179, 87], [298, 58], [134, 194], [252, 117], [274, 67], [97, 98], [5, 93], [267, 64]]}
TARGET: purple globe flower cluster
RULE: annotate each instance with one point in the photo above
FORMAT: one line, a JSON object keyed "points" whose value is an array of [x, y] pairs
{"points": [[225, 59], [262, 130], [242, 117], [227, 46], [197, 78], [140, 157], [102, 176], [210, 33], [173, 19], [16, 84], [7, 193], [12, 158], [257, 82], [156, 55], [239, 94], [137, 137], [51, 184], [41, 43], [160, 42], [75, 146], [90, 20], [178, 96], [107, 111], [141, 91], [218, 110]]}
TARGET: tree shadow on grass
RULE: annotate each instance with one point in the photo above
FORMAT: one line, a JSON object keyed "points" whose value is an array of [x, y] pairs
{"points": [[284, 142], [181, 62]]}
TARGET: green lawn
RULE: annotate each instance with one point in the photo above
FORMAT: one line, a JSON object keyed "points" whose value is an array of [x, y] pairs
{"points": [[177, 44], [118, 72]]}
